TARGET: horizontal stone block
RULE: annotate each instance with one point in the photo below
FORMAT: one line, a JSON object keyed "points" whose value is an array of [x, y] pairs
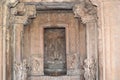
{"points": [[48, 0], [73, 72], [54, 78], [31, 11], [20, 19]]}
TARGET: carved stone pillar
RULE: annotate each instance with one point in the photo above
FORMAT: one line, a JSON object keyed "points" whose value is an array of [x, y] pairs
{"points": [[88, 14], [21, 15]]}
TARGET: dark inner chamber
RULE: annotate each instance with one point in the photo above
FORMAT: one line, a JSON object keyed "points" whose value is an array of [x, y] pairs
{"points": [[54, 51]]}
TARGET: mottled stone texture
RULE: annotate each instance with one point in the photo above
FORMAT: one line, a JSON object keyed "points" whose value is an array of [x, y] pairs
{"points": [[49, 0], [111, 40], [108, 39], [22, 13], [0, 42], [34, 44]]}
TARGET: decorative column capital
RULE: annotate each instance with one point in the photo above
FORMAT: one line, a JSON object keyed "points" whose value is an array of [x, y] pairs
{"points": [[86, 11], [23, 13]]}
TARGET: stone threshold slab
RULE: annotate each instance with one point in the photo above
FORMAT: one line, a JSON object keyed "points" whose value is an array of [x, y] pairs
{"points": [[54, 78]]}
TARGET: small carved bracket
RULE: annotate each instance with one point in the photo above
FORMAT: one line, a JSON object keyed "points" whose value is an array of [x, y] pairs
{"points": [[19, 10], [20, 19], [30, 11], [86, 11], [23, 13]]}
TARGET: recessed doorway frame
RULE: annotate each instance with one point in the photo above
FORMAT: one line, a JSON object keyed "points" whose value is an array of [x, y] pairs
{"points": [[89, 23]]}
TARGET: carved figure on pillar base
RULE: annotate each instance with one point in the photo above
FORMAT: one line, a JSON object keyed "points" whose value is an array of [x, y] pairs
{"points": [[20, 70], [90, 69]]}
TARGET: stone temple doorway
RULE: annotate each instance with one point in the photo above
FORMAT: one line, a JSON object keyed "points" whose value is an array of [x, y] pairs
{"points": [[51, 46], [54, 43]]}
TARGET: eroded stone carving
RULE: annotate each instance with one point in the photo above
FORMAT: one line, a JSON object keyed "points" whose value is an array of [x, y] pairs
{"points": [[86, 11], [19, 9], [21, 70], [90, 69], [13, 3], [34, 63], [30, 11], [22, 14]]}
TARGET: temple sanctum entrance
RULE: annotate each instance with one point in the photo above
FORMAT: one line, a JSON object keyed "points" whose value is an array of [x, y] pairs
{"points": [[53, 42], [59, 40], [54, 51]]}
